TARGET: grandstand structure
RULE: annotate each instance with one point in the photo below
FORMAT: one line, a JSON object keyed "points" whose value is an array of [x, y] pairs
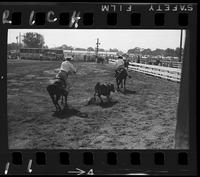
{"points": [[86, 55], [89, 53]]}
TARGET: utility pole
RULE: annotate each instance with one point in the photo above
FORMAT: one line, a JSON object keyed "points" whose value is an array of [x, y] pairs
{"points": [[17, 38], [19, 44], [98, 43], [180, 55]]}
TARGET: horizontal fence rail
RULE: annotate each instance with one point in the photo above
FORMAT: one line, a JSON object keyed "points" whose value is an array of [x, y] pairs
{"points": [[173, 74]]}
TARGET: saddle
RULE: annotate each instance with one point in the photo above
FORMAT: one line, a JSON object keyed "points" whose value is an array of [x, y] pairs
{"points": [[119, 70], [61, 82]]}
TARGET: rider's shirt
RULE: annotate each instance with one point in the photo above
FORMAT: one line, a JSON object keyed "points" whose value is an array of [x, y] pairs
{"points": [[68, 67], [119, 62]]}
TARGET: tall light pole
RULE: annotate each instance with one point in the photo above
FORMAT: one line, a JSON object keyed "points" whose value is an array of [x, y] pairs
{"points": [[19, 43], [17, 47], [98, 43]]}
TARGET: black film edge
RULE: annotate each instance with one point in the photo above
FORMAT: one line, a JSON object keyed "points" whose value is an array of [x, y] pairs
{"points": [[146, 127]]}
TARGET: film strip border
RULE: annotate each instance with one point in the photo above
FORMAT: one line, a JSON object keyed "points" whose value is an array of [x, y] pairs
{"points": [[99, 16], [92, 16], [97, 162], [111, 19]]}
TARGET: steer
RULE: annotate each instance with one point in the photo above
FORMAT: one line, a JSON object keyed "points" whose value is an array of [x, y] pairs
{"points": [[103, 89]]}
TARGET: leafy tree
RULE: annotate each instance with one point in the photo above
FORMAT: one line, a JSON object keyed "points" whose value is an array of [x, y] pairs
{"points": [[120, 53], [65, 47], [158, 52], [33, 40], [70, 48], [90, 49], [80, 49], [136, 50], [147, 52], [169, 52], [46, 47], [101, 50], [177, 52], [114, 50], [14, 46]]}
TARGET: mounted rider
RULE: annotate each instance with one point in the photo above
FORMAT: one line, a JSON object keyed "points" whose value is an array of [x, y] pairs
{"points": [[66, 69], [120, 63]]}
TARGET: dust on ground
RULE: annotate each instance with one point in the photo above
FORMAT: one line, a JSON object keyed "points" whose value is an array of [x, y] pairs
{"points": [[144, 117]]}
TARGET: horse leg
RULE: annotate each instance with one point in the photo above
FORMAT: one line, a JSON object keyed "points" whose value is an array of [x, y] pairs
{"points": [[95, 96], [124, 84], [56, 102], [108, 98], [117, 82], [62, 100], [58, 109], [100, 98], [53, 100], [66, 95]]}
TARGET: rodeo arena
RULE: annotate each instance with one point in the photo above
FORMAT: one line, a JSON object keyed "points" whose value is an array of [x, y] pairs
{"points": [[102, 107]]}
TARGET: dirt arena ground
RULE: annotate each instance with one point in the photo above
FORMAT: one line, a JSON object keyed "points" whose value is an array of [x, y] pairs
{"points": [[142, 118]]}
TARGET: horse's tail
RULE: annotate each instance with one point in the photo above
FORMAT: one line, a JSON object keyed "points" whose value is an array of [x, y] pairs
{"points": [[50, 89], [98, 84]]}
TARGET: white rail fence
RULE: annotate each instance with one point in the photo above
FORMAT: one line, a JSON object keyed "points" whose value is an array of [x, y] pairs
{"points": [[173, 74]]}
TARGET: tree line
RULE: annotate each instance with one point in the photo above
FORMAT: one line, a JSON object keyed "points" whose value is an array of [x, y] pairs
{"points": [[65, 47], [36, 40], [156, 52]]}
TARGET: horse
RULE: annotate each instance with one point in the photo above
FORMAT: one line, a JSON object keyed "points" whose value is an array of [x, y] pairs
{"points": [[100, 60], [121, 75], [56, 91], [126, 63]]}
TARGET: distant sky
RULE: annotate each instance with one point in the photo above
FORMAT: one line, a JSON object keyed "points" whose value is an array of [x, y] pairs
{"points": [[120, 39]]}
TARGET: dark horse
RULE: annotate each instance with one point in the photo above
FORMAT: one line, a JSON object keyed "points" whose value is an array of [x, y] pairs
{"points": [[100, 60], [56, 91], [126, 63], [121, 75]]}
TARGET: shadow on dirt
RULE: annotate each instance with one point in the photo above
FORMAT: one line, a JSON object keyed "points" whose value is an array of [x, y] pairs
{"points": [[108, 104], [127, 92], [104, 104], [68, 112]]}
